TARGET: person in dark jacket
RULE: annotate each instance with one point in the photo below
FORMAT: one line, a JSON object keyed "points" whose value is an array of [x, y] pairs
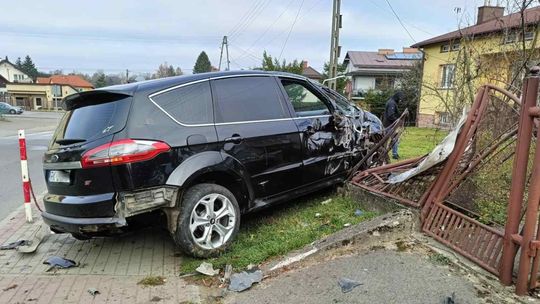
{"points": [[391, 114]]}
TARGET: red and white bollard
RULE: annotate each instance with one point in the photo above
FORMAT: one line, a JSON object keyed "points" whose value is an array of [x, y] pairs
{"points": [[25, 177]]}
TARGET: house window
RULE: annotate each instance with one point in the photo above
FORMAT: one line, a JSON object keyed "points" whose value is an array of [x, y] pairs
{"points": [[510, 38], [455, 47], [384, 83], [444, 118], [56, 91], [447, 75], [445, 48], [529, 35]]}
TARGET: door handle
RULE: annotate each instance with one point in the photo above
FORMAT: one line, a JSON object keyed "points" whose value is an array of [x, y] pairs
{"points": [[235, 139]]}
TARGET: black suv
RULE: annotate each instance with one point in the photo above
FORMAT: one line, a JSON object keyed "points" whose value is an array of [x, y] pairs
{"points": [[199, 150]]}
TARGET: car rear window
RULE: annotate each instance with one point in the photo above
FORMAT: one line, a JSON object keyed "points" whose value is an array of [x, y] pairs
{"points": [[94, 121]]}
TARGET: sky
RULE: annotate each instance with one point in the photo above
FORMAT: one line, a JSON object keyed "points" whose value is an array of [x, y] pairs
{"points": [[115, 35]]}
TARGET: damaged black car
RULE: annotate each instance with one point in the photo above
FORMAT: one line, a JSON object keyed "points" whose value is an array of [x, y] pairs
{"points": [[198, 151]]}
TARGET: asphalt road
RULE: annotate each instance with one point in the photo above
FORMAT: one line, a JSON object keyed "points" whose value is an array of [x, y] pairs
{"points": [[39, 128]]}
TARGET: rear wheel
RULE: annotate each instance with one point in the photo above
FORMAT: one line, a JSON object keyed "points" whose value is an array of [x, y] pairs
{"points": [[208, 221]]}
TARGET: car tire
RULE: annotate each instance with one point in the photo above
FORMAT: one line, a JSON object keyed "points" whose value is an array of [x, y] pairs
{"points": [[80, 237], [12, 111], [208, 222]]}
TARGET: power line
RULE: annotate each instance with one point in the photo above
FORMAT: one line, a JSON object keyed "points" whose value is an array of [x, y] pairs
{"points": [[270, 26], [244, 17], [404, 21], [400, 22], [292, 26], [251, 18]]}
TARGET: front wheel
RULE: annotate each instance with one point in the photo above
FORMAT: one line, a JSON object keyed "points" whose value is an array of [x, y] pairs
{"points": [[11, 111], [208, 222]]}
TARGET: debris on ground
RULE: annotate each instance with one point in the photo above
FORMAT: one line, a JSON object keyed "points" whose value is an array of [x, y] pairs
{"points": [[12, 286], [317, 214], [347, 225], [451, 299], [39, 236], [358, 212], [156, 299], [326, 201], [60, 262], [93, 291], [227, 272], [207, 269], [243, 280], [347, 284], [152, 281], [14, 245]]}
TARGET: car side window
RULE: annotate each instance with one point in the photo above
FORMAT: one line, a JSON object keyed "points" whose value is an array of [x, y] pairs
{"points": [[247, 99], [304, 102], [191, 104]]}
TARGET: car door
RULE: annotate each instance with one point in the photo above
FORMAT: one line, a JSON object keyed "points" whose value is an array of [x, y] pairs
{"points": [[3, 108], [323, 157], [254, 127]]}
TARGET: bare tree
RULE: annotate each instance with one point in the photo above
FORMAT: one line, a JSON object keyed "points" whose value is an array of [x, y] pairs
{"points": [[477, 61]]}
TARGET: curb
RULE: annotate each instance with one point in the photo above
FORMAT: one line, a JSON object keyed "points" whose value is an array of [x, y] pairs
{"points": [[404, 221]]}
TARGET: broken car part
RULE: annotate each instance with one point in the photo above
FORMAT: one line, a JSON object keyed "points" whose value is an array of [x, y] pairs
{"points": [[245, 279]]}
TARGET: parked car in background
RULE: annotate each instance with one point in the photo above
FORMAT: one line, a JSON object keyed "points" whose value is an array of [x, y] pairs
{"points": [[197, 151], [6, 108]]}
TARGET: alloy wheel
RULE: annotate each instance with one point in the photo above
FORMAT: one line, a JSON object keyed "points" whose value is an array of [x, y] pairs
{"points": [[212, 221]]}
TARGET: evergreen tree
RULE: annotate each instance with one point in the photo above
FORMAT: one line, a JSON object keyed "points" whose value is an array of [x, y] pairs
{"points": [[273, 64], [100, 80], [202, 64], [18, 63], [29, 68]]}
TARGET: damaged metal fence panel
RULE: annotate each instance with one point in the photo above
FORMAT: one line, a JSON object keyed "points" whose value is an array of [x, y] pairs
{"points": [[439, 154], [443, 183]]}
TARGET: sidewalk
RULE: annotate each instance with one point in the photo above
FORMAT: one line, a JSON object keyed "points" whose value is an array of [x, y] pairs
{"points": [[113, 266]]}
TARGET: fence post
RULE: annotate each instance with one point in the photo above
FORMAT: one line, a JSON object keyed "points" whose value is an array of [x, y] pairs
{"points": [[25, 177], [517, 190]]}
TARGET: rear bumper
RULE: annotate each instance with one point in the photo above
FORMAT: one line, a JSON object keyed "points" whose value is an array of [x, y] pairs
{"points": [[99, 226]]}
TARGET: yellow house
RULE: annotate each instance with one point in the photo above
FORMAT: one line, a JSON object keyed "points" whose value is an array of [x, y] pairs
{"points": [[493, 50], [47, 92]]}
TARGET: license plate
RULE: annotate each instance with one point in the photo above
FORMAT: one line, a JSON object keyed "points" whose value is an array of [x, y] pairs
{"points": [[56, 176]]}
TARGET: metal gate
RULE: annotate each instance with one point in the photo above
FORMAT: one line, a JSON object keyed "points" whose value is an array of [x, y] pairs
{"points": [[495, 139]]}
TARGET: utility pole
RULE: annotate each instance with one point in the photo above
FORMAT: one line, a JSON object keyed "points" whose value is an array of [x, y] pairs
{"points": [[335, 49], [224, 44], [127, 76]]}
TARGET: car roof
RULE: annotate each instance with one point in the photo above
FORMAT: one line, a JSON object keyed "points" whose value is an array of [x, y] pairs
{"points": [[163, 83]]}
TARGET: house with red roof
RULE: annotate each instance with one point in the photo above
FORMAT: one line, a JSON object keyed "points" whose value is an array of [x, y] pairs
{"points": [[494, 45], [46, 92]]}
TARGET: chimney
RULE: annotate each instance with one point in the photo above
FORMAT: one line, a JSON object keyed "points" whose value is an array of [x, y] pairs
{"points": [[410, 50], [489, 12], [385, 51], [304, 64]]}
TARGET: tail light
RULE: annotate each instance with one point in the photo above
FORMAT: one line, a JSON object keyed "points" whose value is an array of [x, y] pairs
{"points": [[122, 152]]}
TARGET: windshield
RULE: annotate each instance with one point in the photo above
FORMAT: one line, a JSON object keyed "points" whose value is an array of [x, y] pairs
{"points": [[341, 102]]}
